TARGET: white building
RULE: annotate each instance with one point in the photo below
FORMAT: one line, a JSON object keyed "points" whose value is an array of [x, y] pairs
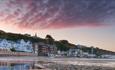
{"points": [[4, 44], [21, 45], [73, 52], [108, 56]]}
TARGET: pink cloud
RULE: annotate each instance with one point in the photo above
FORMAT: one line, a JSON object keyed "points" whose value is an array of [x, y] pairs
{"points": [[37, 14]]}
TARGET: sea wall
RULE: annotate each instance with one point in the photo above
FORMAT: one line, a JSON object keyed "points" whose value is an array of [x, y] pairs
{"points": [[10, 53]]}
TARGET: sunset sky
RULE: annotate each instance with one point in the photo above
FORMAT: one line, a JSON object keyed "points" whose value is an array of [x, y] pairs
{"points": [[86, 22]]}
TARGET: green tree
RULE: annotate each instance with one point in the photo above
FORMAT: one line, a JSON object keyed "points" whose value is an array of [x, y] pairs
{"points": [[61, 46], [49, 39]]}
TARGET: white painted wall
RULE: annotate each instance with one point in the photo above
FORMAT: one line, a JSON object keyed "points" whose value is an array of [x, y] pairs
{"points": [[21, 45]]}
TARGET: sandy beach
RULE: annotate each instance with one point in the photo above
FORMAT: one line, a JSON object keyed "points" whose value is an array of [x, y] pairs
{"points": [[56, 66], [47, 63], [78, 67]]}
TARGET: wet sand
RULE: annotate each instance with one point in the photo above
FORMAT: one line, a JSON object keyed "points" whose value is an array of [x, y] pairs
{"points": [[47, 63], [78, 67]]}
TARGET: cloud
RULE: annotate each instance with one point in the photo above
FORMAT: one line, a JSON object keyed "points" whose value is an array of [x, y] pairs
{"points": [[55, 14]]}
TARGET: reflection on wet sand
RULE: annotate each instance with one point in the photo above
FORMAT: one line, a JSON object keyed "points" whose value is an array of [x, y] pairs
{"points": [[18, 65], [45, 63]]}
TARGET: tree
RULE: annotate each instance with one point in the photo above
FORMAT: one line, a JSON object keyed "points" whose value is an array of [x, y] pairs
{"points": [[49, 39], [62, 47], [64, 41]]}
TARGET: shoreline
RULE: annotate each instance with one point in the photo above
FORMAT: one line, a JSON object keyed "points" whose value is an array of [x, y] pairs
{"points": [[57, 66], [64, 63], [78, 67]]}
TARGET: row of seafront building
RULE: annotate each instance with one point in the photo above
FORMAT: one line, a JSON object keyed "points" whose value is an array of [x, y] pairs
{"points": [[76, 53], [41, 49], [44, 49]]}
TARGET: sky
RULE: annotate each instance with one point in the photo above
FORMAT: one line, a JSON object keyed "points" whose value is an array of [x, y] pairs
{"points": [[86, 22]]}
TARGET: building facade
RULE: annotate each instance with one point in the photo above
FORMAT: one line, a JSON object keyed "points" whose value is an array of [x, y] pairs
{"points": [[42, 49]]}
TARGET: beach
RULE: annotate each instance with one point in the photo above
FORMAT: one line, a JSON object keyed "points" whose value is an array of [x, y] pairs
{"points": [[48, 63], [78, 67]]}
